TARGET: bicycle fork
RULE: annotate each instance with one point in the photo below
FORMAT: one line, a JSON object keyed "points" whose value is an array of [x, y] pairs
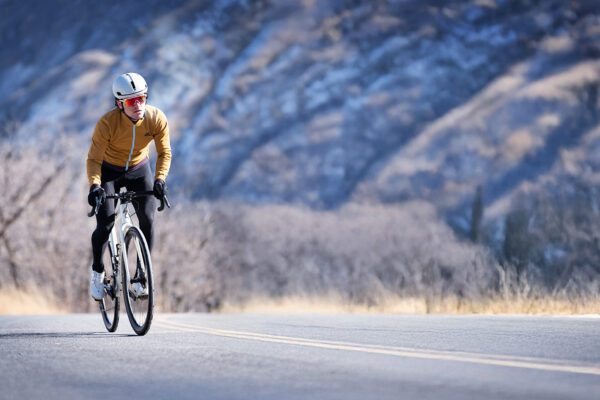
{"points": [[126, 223], [116, 242], [115, 251]]}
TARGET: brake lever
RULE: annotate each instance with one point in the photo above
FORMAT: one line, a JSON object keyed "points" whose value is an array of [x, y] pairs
{"points": [[95, 209], [164, 200]]}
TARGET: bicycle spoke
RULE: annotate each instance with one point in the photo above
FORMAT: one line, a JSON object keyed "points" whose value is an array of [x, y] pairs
{"points": [[138, 290], [109, 305]]}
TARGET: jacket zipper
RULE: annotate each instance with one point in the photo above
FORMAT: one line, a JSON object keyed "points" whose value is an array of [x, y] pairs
{"points": [[131, 152]]}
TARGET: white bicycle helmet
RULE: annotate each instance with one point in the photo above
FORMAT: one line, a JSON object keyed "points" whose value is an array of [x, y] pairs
{"points": [[129, 85]]}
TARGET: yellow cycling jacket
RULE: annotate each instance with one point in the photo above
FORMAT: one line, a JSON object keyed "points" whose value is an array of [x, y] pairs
{"points": [[120, 142]]}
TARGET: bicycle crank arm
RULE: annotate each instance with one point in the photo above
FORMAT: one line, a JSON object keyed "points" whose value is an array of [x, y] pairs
{"points": [[135, 296]]}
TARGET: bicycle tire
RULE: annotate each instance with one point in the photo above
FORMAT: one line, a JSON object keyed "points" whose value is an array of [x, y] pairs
{"points": [[139, 309], [110, 304]]}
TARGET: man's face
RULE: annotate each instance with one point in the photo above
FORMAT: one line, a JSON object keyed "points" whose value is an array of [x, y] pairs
{"points": [[136, 111]]}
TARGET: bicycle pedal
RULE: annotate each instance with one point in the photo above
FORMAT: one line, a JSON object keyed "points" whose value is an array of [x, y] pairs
{"points": [[135, 297]]}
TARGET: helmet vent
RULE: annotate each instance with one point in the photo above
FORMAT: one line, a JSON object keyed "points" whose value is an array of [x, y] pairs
{"points": [[132, 82]]}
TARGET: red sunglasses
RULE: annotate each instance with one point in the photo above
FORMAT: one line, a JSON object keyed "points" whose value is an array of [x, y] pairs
{"points": [[131, 102]]}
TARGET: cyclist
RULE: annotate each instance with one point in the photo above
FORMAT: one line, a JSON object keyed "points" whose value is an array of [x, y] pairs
{"points": [[118, 157]]}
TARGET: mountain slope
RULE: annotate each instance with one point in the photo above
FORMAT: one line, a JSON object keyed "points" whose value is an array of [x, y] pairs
{"points": [[322, 102]]}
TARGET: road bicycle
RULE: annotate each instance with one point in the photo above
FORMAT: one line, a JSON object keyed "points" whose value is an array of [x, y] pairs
{"points": [[129, 254]]}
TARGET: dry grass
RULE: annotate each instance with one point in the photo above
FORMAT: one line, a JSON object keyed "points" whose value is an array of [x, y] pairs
{"points": [[419, 305], [33, 302], [28, 302], [528, 306], [322, 305]]}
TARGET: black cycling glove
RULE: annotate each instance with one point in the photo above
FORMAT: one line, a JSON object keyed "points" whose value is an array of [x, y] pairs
{"points": [[96, 192], [160, 189]]}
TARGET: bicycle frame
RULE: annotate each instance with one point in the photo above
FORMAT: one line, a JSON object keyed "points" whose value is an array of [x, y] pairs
{"points": [[116, 240]]}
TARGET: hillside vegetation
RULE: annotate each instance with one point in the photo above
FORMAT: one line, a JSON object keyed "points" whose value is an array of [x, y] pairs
{"points": [[366, 153]]}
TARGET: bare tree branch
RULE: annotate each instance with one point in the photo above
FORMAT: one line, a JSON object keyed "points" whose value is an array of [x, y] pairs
{"points": [[33, 197]]}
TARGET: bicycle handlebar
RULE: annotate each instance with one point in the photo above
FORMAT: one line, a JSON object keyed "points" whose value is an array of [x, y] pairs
{"points": [[128, 197]]}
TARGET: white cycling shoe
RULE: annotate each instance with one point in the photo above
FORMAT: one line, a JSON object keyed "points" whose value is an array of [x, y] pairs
{"points": [[97, 285], [139, 290]]}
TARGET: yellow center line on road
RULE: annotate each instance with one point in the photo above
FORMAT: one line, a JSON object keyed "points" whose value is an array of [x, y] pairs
{"points": [[477, 358]]}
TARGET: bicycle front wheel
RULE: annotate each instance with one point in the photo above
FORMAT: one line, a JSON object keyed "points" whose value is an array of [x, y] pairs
{"points": [[138, 289], [109, 305]]}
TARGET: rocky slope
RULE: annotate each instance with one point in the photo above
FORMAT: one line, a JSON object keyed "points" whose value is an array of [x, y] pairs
{"points": [[322, 102]]}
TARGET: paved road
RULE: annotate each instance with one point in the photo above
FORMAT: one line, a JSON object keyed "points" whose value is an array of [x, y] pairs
{"points": [[249, 356]]}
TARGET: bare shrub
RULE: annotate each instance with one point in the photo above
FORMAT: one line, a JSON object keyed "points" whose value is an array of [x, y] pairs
{"points": [[553, 237], [185, 276], [43, 193], [362, 254]]}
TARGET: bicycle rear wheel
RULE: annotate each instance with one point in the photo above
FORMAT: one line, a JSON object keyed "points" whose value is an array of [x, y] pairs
{"points": [[138, 289], [110, 305]]}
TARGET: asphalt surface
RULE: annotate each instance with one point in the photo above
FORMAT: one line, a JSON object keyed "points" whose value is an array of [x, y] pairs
{"points": [[252, 356]]}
